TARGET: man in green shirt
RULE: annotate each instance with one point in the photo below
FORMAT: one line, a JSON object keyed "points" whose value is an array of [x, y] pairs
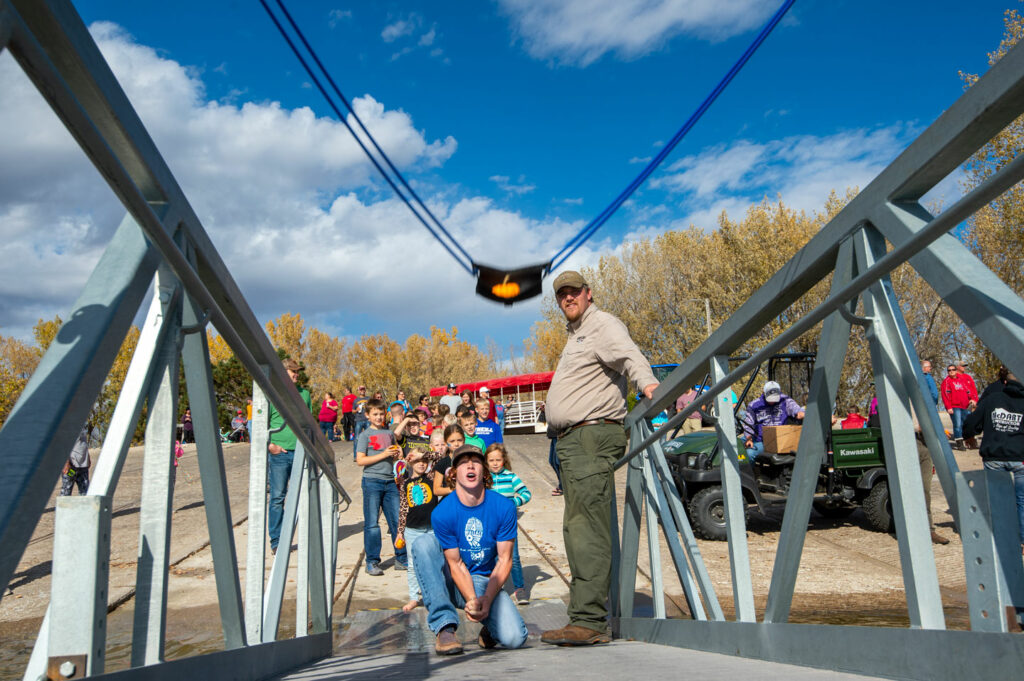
{"points": [[282, 452]]}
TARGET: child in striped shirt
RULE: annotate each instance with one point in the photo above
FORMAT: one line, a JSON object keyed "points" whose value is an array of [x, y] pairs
{"points": [[509, 485]]}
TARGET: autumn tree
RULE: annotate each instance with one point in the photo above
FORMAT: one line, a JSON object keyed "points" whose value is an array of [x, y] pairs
{"points": [[994, 233]]}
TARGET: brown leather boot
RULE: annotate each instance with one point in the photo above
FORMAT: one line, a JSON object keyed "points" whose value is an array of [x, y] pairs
{"points": [[447, 642], [573, 635]]}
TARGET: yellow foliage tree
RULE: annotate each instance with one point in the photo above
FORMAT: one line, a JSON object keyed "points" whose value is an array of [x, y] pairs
{"points": [[994, 234], [288, 331], [220, 351]]}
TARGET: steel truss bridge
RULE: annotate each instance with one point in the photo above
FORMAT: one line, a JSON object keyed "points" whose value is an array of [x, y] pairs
{"points": [[162, 246]]}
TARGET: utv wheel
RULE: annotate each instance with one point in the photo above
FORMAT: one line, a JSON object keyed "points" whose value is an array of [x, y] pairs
{"points": [[832, 510], [878, 508], [707, 511]]}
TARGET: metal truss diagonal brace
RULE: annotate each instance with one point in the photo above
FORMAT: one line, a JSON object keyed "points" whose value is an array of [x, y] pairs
{"points": [[42, 426]]}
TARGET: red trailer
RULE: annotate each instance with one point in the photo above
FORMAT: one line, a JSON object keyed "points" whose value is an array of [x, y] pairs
{"points": [[521, 415]]}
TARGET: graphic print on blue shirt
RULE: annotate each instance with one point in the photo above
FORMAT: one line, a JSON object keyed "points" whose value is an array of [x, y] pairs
{"points": [[489, 432], [475, 530]]}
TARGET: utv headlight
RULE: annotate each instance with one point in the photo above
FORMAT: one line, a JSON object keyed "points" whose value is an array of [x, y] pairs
{"points": [[691, 461]]}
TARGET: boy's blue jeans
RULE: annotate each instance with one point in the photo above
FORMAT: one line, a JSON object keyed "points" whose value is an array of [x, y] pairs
{"points": [[361, 425], [279, 470], [379, 495], [441, 597]]}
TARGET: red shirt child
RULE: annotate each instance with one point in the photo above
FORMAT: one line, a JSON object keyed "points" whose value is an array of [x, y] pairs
{"points": [[853, 420]]}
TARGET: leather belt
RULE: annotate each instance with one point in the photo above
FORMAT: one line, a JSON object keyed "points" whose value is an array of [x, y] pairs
{"points": [[592, 422]]}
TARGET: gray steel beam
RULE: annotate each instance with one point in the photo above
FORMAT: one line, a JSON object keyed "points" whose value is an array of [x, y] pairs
{"points": [[302, 560], [42, 426], [199, 381], [653, 546], [316, 578], [261, 661], [991, 545], [982, 300], [659, 512], [674, 504], [891, 364], [629, 549], [81, 561], [256, 541], [916, 654], [157, 495], [732, 497], [107, 469], [996, 99], [832, 348], [279, 570]]}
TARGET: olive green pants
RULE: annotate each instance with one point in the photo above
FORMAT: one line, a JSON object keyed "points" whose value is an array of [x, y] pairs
{"points": [[587, 455]]}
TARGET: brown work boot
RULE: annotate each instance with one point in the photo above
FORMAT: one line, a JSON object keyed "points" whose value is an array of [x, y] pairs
{"points": [[447, 642], [573, 635], [486, 641], [938, 538]]}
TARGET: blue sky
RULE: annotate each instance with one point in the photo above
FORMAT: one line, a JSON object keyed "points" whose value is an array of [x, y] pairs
{"points": [[517, 120]]}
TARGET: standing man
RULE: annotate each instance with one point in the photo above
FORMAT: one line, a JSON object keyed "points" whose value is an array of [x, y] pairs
{"points": [[348, 417], [959, 396], [282, 451], [1000, 419], [452, 399], [586, 405], [926, 373], [485, 393]]}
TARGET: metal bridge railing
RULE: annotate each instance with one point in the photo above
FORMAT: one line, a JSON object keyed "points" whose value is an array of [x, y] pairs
{"points": [[160, 243], [854, 248]]}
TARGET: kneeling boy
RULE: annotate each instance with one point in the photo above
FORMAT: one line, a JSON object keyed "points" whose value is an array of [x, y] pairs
{"points": [[474, 528]]}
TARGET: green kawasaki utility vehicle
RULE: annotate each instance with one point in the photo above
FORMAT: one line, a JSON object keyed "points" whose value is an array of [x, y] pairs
{"points": [[852, 472]]}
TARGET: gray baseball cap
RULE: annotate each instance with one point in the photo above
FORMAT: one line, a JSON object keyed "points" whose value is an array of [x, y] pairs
{"points": [[570, 278]]}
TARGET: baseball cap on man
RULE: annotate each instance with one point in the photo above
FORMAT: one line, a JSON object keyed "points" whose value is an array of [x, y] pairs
{"points": [[772, 392], [291, 365], [452, 386], [467, 450], [485, 389], [571, 279]]}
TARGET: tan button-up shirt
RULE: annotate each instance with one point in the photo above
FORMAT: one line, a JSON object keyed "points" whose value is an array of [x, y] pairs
{"points": [[590, 381]]}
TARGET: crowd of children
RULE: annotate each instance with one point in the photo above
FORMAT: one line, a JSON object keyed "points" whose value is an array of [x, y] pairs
{"points": [[406, 460]]}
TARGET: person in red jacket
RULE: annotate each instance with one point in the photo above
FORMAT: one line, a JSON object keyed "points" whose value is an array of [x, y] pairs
{"points": [[853, 419], [959, 396], [348, 415]]}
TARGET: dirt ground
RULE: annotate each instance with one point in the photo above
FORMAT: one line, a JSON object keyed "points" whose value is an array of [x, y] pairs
{"points": [[849, 574]]}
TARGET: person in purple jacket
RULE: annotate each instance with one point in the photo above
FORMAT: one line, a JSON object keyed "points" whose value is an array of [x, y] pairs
{"points": [[772, 408]]}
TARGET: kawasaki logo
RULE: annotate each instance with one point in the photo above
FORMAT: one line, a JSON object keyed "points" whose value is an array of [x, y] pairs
{"points": [[855, 452]]}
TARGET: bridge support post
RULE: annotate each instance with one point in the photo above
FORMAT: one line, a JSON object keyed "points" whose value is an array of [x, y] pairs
{"points": [[671, 503], [155, 506], [653, 517], [891, 361], [835, 339], [630, 546], [659, 512], [256, 541], [732, 497], [990, 530], [77, 632]]}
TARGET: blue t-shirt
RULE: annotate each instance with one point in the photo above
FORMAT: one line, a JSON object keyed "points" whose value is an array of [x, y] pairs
{"points": [[475, 530], [489, 432]]}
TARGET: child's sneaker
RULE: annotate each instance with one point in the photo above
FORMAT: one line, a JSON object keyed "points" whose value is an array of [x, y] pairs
{"points": [[399, 565], [521, 597]]}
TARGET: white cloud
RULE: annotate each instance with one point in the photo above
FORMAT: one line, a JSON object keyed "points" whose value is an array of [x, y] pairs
{"points": [[400, 28], [801, 170], [427, 39], [581, 31], [336, 16], [289, 200], [574, 202], [519, 187], [640, 159]]}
